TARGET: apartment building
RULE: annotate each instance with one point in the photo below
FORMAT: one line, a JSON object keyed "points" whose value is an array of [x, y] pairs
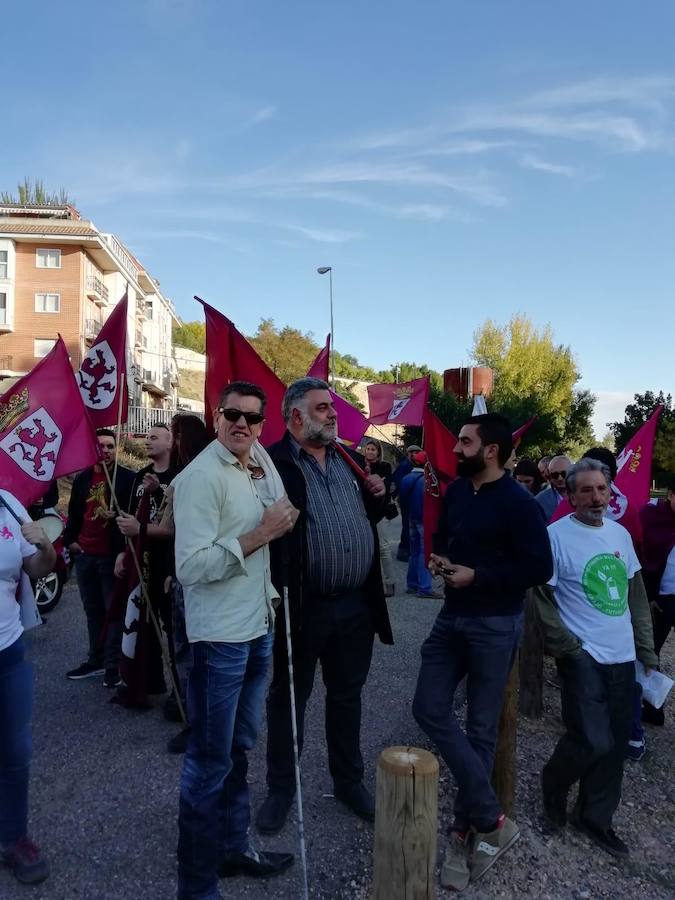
{"points": [[60, 275]]}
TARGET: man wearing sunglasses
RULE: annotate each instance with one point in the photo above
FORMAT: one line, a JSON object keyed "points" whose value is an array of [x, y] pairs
{"points": [[551, 496], [223, 532], [331, 566]]}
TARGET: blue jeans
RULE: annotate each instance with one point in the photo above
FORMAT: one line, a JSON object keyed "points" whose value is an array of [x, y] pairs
{"points": [[16, 706], [419, 577], [483, 649], [226, 693]]}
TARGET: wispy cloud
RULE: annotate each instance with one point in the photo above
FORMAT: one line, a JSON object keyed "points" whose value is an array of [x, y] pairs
{"points": [[529, 161], [264, 114]]}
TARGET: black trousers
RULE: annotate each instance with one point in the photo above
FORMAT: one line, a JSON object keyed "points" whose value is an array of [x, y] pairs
{"points": [[336, 631], [597, 709]]}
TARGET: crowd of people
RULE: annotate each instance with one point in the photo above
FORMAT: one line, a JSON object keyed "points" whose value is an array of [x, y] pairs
{"points": [[229, 528]]}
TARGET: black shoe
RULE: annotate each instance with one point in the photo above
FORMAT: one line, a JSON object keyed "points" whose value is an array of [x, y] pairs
{"points": [[653, 716], [359, 800], [606, 838], [555, 801], [178, 743], [24, 858], [273, 813], [86, 670], [256, 863], [112, 679]]}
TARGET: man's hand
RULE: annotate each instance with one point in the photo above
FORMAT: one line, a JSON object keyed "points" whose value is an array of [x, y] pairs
{"points": [[74, 548], [151, 483], [106, 513], [375, 485], [278, 519], [454, 575], [119, 566], [35, 534], [128, 524], [438, 563]]}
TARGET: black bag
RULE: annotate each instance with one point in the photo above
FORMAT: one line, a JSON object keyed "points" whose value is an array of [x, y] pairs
{"points": [[390, 510]]}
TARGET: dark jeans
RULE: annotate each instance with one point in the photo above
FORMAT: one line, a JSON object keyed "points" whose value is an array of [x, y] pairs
{"points": [[226, 692], [483, 649], [338, 632], [16, 706], [597, 707], [96, 582], [182, 648], [419, 577]]}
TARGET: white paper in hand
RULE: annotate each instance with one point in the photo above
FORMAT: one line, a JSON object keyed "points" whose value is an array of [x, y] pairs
{"points": [[655, 685]]}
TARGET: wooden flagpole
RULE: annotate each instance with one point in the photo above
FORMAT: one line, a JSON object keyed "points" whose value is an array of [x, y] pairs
{"points": [[118, 431]]}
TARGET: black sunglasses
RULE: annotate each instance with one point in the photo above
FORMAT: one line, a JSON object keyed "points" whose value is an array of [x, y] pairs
{"points": [[557, 474], [233, 415]]}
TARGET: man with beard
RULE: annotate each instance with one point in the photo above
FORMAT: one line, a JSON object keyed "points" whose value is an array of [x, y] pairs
{"points": [[330, 563], [491, 546]]}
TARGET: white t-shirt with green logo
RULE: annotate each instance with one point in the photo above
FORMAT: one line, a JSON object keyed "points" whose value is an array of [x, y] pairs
{"points": [[592, 567]]}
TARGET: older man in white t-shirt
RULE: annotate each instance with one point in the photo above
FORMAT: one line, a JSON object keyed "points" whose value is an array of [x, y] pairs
{"points": [[596, 620]]}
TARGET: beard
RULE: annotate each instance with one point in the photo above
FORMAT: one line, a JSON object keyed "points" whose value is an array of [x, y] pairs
{"points": [[471, 465], [322, 432]]}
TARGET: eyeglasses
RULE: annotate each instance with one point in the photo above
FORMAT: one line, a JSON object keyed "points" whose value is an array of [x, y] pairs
{"points": [[233, 415], [557, 474]]}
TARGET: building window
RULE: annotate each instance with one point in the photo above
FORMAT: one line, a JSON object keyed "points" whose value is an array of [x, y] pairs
{"points": [[48, 259], [42, 346], [3, 264], [3, 309], [49, 303]]}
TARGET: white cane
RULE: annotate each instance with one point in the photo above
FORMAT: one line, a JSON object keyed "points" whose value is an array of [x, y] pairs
{"points": [[296, 752]]}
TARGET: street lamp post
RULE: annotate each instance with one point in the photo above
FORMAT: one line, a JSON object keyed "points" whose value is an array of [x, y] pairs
{"points": [[322, 270]]}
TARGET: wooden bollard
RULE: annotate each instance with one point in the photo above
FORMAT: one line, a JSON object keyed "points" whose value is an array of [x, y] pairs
{"points": [[504, 772], [530, 697], [406, 822]]}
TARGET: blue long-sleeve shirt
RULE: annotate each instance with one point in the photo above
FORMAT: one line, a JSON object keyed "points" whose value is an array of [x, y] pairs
{"points": [[499, 532]]}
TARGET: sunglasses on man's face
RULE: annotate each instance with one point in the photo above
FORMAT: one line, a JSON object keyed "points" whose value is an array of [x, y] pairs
{"points": [[557, 474], [233, 415]]}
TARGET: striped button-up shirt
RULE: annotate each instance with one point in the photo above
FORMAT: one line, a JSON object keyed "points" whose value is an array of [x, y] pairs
{"points": [[340, 543]]}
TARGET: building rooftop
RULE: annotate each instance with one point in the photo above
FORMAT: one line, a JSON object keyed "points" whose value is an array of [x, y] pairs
{"points": [[43, 211]]}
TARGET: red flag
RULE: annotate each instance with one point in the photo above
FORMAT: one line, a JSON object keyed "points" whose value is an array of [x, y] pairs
{"points": [[230, 357], [44, 431], [319, 368], [630, 489], [439, 470], [104, 369], [352, 424], [520, 433], [402, 404]]}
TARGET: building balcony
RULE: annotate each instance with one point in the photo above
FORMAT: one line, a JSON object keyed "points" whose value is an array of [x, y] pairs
{"points": [[154, 383], [6, 367], [96, 290], [91, 329], [6, 323]]}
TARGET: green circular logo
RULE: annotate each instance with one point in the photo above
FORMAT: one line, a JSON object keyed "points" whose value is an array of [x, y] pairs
{"points": [[605, 583]]}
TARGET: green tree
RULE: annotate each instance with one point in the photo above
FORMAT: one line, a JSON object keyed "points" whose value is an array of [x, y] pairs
{"points": [[636, 414], [33, 193], [287, 351], [534, 376], [191, 335]]}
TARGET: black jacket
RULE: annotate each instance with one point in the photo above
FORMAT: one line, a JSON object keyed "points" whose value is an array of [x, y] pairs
{"points": [[499, 532], [78, 501], [288, 554]]}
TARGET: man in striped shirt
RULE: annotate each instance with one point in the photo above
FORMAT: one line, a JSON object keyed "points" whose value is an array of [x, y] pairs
{"points": [[330, 565]]}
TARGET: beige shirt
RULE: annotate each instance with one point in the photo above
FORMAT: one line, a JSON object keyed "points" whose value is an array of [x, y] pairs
{"points": [[228, 598]]}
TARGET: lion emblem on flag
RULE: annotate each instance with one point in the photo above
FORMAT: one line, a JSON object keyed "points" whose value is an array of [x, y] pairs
{"points": [[34, 445], [98, 376], [618, 503]]}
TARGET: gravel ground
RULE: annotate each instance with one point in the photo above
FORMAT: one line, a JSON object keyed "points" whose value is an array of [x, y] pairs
{"points": [[104, 791]]}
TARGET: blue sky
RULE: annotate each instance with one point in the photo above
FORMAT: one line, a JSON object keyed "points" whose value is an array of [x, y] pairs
{"points": [[451, 161]]}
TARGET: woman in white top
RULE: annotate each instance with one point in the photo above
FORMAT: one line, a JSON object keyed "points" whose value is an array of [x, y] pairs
{"points": [[23, 548]]}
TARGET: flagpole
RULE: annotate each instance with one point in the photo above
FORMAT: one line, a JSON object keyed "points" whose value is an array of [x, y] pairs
{"points": [[120, 398], [146, 600]]}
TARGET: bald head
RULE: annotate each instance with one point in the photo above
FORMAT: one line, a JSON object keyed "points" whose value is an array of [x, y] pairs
{"points": [[558, 468]]}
